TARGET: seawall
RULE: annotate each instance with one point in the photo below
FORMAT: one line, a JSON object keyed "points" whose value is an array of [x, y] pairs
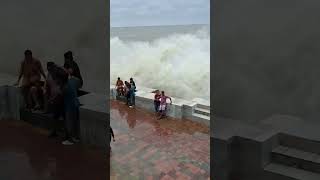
{"points": [[196, 110]]}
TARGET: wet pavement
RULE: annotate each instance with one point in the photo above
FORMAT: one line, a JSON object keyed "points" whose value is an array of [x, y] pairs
{"points": [[27, 153], [151, 149]]}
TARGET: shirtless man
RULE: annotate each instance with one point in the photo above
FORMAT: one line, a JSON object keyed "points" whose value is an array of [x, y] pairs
{"points": [[163, 104], [119, 87], [31, 71]]}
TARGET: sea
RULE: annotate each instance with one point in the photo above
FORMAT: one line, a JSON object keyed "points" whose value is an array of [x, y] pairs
{"points": [[175, 59]]}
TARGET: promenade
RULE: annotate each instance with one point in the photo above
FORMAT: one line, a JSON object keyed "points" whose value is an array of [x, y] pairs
{"points": [[27, 153], [151, 149]]}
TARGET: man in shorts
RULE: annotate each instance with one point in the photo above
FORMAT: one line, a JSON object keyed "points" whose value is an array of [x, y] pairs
{"points": [[119, 87], [30, 73]]}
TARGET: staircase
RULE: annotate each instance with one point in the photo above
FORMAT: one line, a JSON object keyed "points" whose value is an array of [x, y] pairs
{"points": [[201, 113], [295, 159]]}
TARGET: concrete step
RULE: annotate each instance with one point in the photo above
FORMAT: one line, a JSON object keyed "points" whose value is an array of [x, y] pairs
{"points": [[202, 111], [201, 118], [286, 172], [296, 158], [300, 143], [202, 106]]}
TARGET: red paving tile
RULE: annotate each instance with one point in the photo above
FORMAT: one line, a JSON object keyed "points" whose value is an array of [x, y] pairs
{"points": [[147, 148], [26, 153]]}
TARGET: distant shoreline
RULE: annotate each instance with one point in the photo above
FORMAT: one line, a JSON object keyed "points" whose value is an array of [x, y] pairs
{"points": [[160, 25]]}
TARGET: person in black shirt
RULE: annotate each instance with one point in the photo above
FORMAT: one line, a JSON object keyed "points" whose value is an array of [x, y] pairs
{"points": [[134, 84], [69, 63]]}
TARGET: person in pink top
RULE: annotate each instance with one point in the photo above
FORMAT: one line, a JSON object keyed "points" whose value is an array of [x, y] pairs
{"points": [[163, 104]]}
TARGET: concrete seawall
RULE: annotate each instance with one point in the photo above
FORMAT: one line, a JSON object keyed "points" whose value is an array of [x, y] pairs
{"points": [[196, 110]]}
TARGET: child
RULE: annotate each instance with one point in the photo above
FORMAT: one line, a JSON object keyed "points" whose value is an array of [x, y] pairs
{"points": [[163, 104]]}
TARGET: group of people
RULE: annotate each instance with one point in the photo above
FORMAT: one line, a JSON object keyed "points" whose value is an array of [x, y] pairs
{"points": [[127, 89], [57, 94], [160, 103]]}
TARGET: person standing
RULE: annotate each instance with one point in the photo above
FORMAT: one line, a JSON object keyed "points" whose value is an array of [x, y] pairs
{"points": [[69, 63], [30, 73], [133, 84], [71, 104], [127, 91], [163, 104], [132, 95]]}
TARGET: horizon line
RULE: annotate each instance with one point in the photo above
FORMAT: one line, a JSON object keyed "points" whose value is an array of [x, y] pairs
{"points": [[156, 25]]}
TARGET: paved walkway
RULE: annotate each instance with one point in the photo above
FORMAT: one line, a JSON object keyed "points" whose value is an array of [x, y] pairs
{"points": [[27, 153], [149, 149]]}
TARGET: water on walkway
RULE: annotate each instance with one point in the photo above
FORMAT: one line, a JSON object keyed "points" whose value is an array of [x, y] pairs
{"points": [[26, 153], [151, 149]]}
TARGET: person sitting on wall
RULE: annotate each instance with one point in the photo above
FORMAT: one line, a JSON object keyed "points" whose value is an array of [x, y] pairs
{"points": [[30, 72], [163, 104], [72, 66], [120, 87]]}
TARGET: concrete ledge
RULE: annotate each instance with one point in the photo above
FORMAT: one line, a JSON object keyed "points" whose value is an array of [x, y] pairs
{"points": [[94, 113], [11, 102]]}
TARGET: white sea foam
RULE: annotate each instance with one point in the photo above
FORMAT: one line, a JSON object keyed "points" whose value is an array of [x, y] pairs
{"points": [[178, 64]]}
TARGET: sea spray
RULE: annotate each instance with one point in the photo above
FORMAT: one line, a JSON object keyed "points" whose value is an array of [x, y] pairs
{"points": [[178, 64]]}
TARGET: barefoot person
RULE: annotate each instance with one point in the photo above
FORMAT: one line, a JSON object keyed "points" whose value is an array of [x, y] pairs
{"points": [[119, 87], [30, 72], [163, 104]]}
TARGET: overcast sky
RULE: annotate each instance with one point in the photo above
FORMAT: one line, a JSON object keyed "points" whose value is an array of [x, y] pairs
{"points": [[159, 12]]}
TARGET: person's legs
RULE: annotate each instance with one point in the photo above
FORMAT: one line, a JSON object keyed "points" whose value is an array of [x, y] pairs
{"points": [[34, 96], [25, 92], [128, 99], [133, 100], [163, 108], [69, 125], [57, 110], [76, 125], [155, 107]]}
